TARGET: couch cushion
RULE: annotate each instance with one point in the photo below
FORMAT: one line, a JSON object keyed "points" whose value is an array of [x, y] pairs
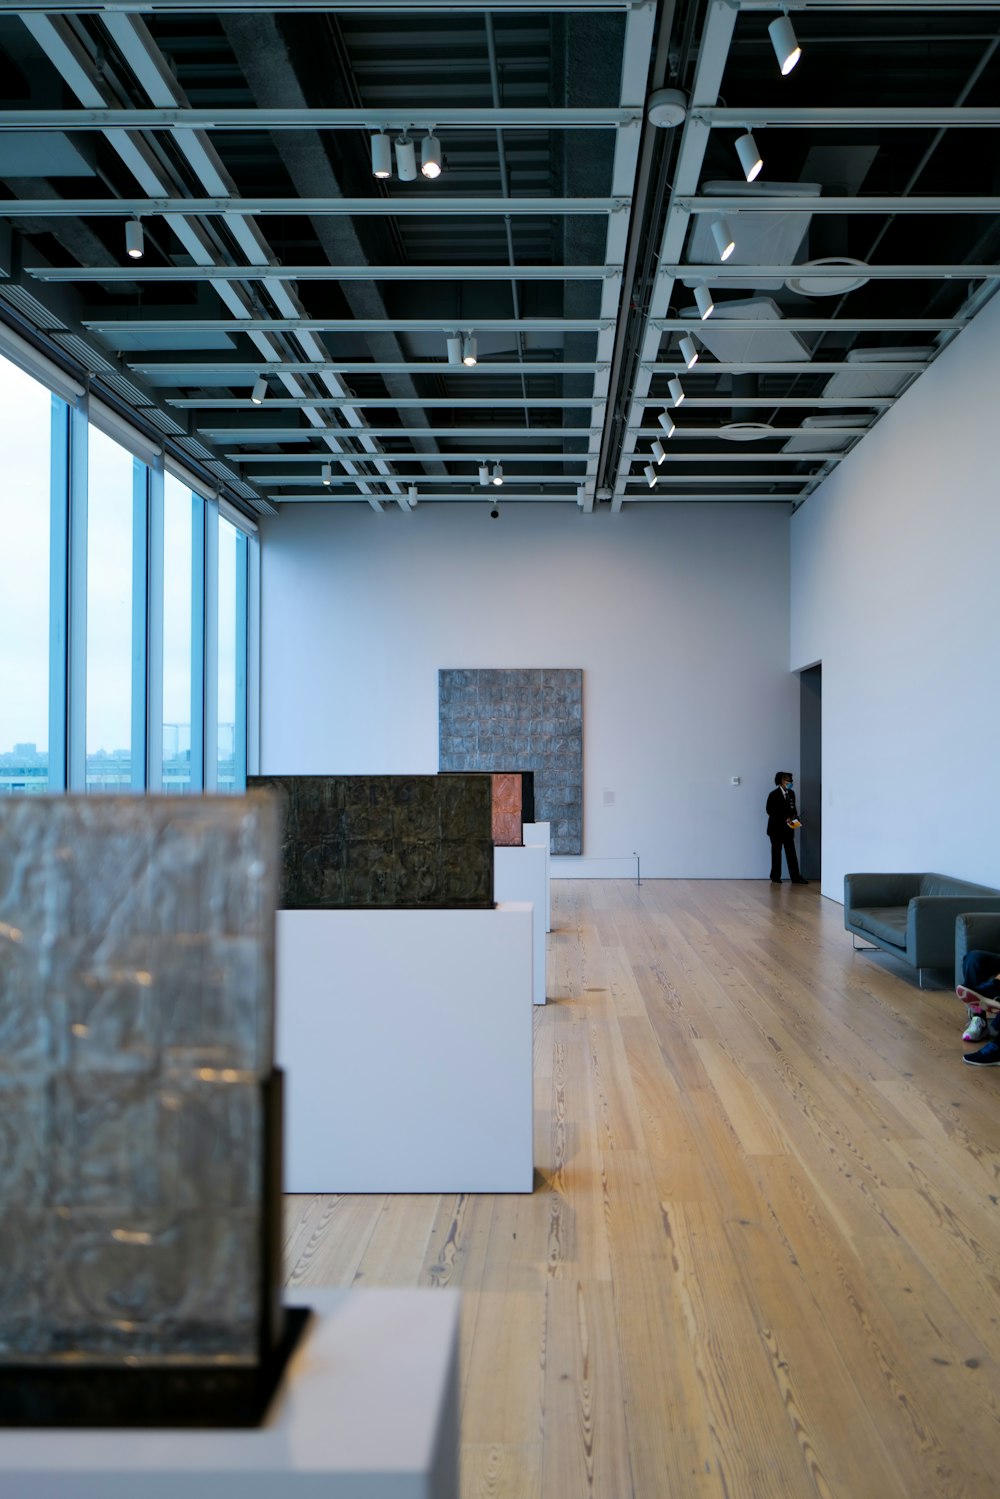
{"points": [[887, 923], [945, 884]]}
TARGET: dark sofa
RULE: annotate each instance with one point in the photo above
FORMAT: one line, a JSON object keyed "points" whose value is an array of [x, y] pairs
{"points": [[913, 916]]}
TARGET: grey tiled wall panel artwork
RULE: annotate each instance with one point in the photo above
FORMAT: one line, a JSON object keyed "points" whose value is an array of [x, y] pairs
{"points": [[520, 719], [418, 840], [136, 1026]]}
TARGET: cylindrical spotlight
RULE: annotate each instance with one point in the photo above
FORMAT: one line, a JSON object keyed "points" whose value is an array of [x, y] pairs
{"points": [[750, 158], [411, 495], [135, 246], [666, 421], [469, 350], [406, 159], [676, 390], [657, 449], [724, 242], [430, 155], [259, 391], [650, 473], [327, 472], [454, 349], [785, 43], [484, 473], [689, 351], [381, 156], [703, 297], [497, 474]]}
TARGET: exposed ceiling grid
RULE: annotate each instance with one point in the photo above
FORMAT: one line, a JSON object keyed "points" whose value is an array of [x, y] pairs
{"points": [[570, 233]]}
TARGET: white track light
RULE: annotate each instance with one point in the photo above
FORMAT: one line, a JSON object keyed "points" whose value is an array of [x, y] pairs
{"points": [[484, 473], [259, 391], [406, 159], [497, 474], [469, 350], [750, 158], [135, 246], [327, 472], [411, 495], [650, 473], [703, 297], [454, 349], [666, 421], [657, 449], [676, 390], [689, 351], [430, 155], [785, 43], [381, 156], [724, 242]]}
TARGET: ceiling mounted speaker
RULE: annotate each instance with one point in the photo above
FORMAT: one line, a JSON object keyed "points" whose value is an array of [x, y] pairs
{"points": [[381, 156], [666, 108], [750, 158], [785, 43], [406, 160]]}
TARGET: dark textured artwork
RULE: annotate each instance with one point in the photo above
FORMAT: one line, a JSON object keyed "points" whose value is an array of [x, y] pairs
{"points": [[384, 840], [137, 1196], [520, 719]]}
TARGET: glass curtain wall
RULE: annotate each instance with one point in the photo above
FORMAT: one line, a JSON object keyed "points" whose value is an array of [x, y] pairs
{"points": [[30, 421], [155, 655]]}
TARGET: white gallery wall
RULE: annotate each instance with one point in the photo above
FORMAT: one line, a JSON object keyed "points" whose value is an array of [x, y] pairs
{"points": [[895, 590], [677, 614]]}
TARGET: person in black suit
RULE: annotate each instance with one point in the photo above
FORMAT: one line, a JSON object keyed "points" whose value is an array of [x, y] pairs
{"points": [[781, 812]]}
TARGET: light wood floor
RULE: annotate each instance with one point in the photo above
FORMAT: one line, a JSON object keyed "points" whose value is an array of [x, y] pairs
{"points": [[760, 1260]]}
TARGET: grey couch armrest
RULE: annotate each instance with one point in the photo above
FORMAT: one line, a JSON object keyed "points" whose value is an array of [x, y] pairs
{"points": [[930, 926], [975, 929], [879, 890]]}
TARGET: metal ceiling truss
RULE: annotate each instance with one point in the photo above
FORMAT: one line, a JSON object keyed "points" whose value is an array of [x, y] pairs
{"points": [[562, 235]]}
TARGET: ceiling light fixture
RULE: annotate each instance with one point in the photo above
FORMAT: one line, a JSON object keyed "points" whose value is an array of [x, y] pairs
{"points": [[785, 43], [411, 495], [259, 391], [406, 159], [430, 155], [689, 351], [135, 246], [724, 242], [650, 473], [750, 158], [676, 390], [327, 473], [454, 349], [497, 474], [666, 421], [703, 297], [381, 156], [484, 473], [657, 449], [469, 350]]}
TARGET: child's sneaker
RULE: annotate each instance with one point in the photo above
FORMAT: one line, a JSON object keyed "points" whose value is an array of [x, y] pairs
{"points": [[976, 1030]]}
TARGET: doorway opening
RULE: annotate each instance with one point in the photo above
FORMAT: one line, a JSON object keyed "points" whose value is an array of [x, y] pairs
{"points": [[810, 799]]}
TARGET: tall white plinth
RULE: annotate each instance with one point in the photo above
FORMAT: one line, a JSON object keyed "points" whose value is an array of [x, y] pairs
{"points": [[406, 1042], [519, 875], [368, 1409], [541, 833]]}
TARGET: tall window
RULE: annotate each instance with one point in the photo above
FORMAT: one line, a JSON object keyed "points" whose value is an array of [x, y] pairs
{"points": [[230, 553], [111, 477], [27, 415], [180, 510]]}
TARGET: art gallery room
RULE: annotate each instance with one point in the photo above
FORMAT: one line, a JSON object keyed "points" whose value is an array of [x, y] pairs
{"points": [[499, 832]]}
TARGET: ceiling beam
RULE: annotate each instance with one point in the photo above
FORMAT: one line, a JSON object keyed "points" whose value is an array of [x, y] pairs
{"points": [[268, 118], [365, 325], [393, 403], [251, 207], [271, 272], [785, 367], [494, 434], [248, 369], [320, 7], [919, 117], [718, 275], [811, 324]]}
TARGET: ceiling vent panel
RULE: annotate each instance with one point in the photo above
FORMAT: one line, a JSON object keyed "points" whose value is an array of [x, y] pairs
{"points": [[772, 345], [822, 433], [761, 238], [852, 384]]}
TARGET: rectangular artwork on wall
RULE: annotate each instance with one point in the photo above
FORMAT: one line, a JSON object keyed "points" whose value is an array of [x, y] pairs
{"points": [[520, 719]]}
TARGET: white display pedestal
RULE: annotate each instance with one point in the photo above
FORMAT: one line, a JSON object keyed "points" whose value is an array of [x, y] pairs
{"points": [[519, 875], [540, 833], [406, 1042], [368, 1410]]}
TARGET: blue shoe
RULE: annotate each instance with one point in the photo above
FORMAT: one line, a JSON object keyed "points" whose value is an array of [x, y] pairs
{"points": [[986, 1056]]}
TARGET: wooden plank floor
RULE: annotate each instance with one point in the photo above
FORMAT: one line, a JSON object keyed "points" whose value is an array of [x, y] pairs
{"points": [[760, 1260]]}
